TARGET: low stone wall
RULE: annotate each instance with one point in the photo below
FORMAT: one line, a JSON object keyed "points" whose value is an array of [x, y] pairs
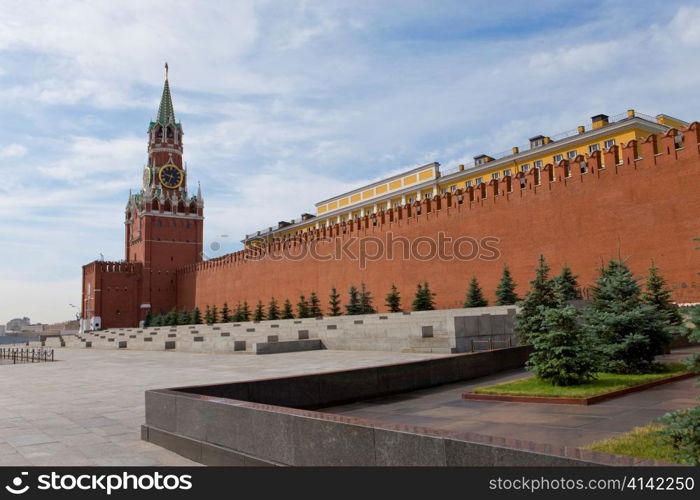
{"points": [[270, 421], [441, 331]]}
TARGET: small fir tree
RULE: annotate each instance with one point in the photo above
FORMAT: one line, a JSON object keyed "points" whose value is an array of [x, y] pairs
{"points": [[214, 314], [475, 297], [366, 300], [148, 320], [658, 296], [245, 311], [315, 306], [566, 286], [273, 310], [259, 313], [562, 351], [303, 308], [208, 317], [225, 313], [393, 299], [334, 303], [196, 316], [171, 318], [630, 332], [157, 320], [353, 306], [287, 311], [540, 297], [424, 298], [505, 291], [184, 318], [238, 313]]}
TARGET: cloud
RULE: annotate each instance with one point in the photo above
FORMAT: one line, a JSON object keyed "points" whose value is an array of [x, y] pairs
{"points": [[12, 151]]}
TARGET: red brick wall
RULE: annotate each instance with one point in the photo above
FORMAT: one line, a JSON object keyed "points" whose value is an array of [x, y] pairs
{"points": [[640, 209]]}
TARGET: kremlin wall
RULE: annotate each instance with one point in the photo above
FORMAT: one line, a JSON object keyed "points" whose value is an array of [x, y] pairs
{"points": [[639, 201]]}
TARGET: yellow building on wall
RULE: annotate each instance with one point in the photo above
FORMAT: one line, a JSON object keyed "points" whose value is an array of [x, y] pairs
{"points": [[428, 180]]}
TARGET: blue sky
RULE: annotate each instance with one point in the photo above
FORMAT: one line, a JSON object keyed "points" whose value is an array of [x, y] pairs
{"points": [[285, 103]]}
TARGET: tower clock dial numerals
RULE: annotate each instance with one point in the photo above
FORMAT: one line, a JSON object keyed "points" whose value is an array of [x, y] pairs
{"points": [[171, 176]]}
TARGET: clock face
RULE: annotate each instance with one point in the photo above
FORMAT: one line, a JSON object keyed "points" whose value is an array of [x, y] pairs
{"points": [[146, 177], [170, 176]]}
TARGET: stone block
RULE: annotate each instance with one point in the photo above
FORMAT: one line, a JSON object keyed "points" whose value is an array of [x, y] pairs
{"points": [[172, 335], [303, 334], [225, 334], [170, 344], [250, 330], [395, 449], [332, 444], [122, 344], [198, 339], [273, 338], [161, 410], [239, 345], [485, 324], [274, 326], [148, 339], [426, 331], [331, 327], [358, 322]]}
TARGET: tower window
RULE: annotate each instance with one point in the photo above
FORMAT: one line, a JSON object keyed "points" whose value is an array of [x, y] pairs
{"points": [[479, 180], [609, 143], [593, 147], [558, 158], [495, 175], [537, 164], [506, 173], [525, 167], [571, 154]]}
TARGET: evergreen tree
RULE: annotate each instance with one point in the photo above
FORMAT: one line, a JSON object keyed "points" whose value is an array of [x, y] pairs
{"points": [[424, 299], [505, 291], [303, 308], [334, 303], [214, 314], [184, 318], [157, 320], [658, 296], [563, 353], [540, 297], [149, 319], [245, 311], [208, 316], [287, 311], [566, 286], [196, 316], [630, 332], [393, 299], [225, 313], [475, 297], [273, 310], [259, 313], [171, 318], [366, 300], [238, 313], [353, 306], [315, 306]]}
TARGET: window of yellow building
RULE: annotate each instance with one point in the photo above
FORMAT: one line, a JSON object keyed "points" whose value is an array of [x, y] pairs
{"points": [[571, 154]]}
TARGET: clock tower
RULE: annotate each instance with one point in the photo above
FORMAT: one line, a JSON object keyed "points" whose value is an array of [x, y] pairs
{"points": [[164, 224]]}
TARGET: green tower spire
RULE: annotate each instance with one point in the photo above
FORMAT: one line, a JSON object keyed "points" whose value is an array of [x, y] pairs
{"points": [[166, 112]]}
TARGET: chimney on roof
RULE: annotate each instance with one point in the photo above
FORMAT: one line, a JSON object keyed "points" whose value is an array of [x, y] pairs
{"points": [[581, 129], [598, 121], [516, 150]]}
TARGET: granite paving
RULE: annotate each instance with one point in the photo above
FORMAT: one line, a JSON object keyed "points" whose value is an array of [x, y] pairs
{"points": [[87, 407]]}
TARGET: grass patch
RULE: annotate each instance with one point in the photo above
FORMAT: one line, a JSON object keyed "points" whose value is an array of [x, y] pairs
{"points": [[641, 442], [606, 382]]}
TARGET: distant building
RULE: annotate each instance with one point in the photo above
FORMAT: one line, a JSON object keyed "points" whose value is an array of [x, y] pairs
{"points": [[2, 330], [17, 324]]}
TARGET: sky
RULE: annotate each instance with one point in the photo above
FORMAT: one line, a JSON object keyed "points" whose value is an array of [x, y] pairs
{"points": [[286, 103]]}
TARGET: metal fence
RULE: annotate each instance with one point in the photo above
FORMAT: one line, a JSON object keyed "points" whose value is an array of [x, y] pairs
{"points": [[16, 355]]}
